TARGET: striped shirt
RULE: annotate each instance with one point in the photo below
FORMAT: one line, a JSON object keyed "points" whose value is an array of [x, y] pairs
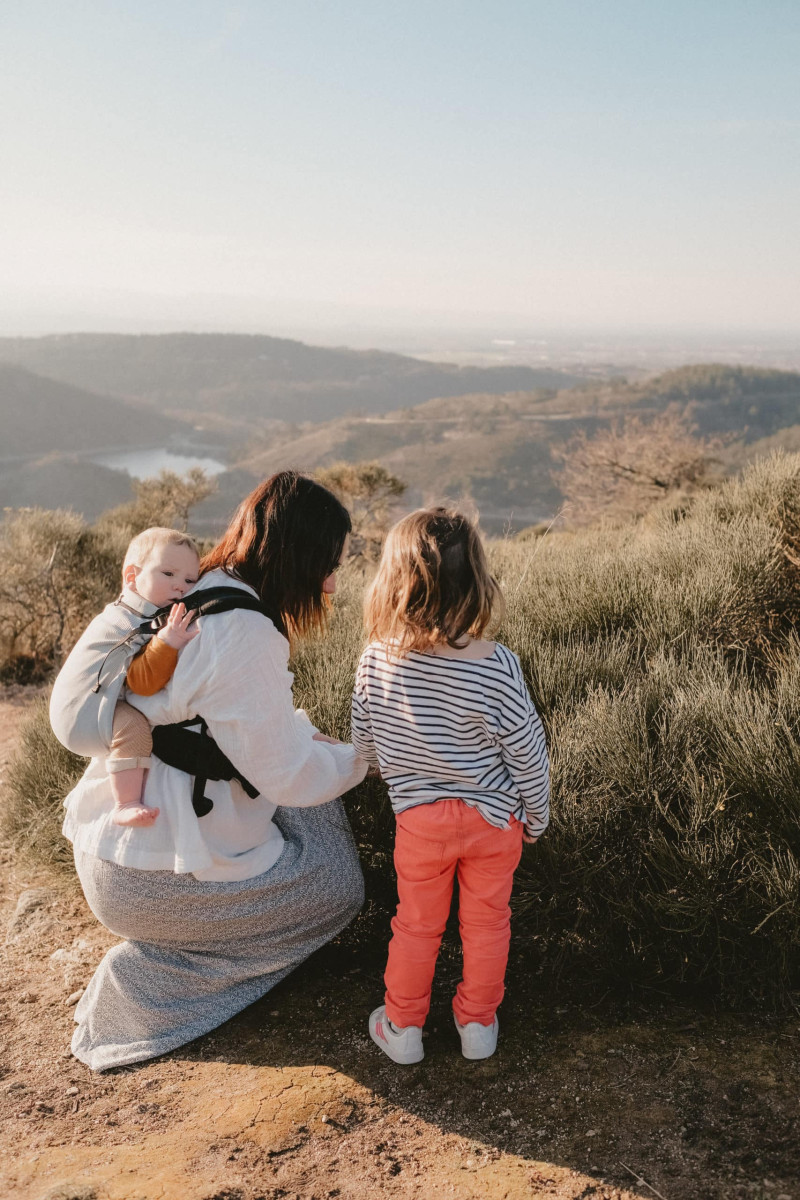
{"points": [[439, 727]]}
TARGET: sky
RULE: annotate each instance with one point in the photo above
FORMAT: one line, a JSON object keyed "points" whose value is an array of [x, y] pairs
{"points": [[257, 163]]}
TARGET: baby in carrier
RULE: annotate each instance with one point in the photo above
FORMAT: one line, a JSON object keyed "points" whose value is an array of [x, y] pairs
{"points": [[87, 712]]}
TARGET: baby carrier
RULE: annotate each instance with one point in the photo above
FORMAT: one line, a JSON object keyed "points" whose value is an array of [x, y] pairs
{"points": [[90, 683]]}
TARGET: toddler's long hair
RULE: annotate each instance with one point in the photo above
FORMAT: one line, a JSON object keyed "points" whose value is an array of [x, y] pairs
{"points": [[433, 584]]}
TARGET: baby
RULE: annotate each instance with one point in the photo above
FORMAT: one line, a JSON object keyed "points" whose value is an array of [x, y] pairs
{"points": [[161, 566]]}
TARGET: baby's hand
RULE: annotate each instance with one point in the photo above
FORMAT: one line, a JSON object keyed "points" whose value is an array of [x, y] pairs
{"points": [[526, 837], [176, 632]]}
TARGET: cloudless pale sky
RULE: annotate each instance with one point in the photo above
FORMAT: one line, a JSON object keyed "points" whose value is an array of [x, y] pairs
{"points": [[609, 162]]}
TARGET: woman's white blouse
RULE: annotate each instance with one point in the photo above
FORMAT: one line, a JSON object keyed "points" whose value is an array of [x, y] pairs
{"points": [[236, 675]]}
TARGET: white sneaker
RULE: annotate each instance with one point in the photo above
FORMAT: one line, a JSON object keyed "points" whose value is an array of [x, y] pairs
{"points": [[402, 1045], [478, 1041]]}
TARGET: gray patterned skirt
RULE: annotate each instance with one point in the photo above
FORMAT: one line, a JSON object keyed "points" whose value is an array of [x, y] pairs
{"points": [[197, 953]]}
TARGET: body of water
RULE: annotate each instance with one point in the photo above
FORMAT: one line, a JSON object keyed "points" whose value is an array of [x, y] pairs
{"points": [[146, 464]]}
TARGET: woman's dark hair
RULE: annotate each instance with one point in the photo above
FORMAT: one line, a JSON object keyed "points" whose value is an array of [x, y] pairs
{"points": [[285, 538]]}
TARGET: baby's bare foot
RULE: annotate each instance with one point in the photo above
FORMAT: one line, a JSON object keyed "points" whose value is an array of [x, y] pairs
{"points": [[135, 814]]}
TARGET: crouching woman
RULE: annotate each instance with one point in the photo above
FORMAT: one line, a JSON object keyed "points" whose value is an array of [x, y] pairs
{"points": [[217, 903]]}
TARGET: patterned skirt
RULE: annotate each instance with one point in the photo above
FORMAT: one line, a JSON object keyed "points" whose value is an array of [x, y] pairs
{"points": [[196, 953]]}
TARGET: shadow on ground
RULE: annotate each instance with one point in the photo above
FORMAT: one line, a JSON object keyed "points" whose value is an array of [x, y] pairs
{"points": [[291, 1099]]}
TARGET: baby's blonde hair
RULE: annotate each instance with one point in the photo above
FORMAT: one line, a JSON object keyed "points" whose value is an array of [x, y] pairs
{"points": [[433, 584], [143, 545]]}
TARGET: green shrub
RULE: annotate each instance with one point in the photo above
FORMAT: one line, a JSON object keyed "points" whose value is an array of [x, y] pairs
{"points": [[324, 672], [674, 854]]}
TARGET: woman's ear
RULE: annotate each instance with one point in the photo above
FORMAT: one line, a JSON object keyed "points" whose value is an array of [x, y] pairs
{"points": [[129, 576]]}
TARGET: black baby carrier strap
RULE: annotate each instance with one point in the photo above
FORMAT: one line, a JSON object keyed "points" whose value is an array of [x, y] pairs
{"points": [[204, 603], [195, 752], [181, 745]]}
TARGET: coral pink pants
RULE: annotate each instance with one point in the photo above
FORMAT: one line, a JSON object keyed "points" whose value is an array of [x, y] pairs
{"points": [[432, 842]]}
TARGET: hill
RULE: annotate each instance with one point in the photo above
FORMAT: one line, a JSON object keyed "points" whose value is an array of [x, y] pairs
{"points": [[63, 481], [40, 415], [254, 377], [498, 450], [747, 401]]}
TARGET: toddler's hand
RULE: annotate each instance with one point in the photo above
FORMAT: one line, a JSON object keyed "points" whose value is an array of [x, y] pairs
{"points": [[526, 837], [176, 632], [323, 737]]}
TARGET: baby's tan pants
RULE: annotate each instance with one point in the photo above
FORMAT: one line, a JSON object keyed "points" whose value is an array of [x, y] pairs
{"points": [[131, 742]]}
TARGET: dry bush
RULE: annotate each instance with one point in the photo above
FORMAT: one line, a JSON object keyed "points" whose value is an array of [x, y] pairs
{"points": [[39, 776], [719, 570], [168, 499], [371, 493], [57, 573], [324, 670], [674, 854], [622, 471]]}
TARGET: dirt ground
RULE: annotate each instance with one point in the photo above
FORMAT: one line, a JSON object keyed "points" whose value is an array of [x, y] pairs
{"points": [[291, 1100]]}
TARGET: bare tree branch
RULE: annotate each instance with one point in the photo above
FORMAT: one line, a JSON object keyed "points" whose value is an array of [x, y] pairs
{"points": [[622, 470]]}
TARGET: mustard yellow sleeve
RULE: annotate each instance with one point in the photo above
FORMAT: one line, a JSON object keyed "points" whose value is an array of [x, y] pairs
{"points": [[152, 668]]}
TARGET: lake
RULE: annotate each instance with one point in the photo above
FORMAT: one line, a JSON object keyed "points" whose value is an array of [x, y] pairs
{"points": [[146, 464]]}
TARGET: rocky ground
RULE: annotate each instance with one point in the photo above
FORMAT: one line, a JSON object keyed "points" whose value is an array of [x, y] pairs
{"points": [[291, 1100]]}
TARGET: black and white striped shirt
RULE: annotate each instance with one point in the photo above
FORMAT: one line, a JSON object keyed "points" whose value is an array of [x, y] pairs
{"points": [[439, 727]]}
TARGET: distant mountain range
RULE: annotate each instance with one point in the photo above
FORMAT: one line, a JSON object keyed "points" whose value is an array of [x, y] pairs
{"points": [[256, 378], [262, 403]]}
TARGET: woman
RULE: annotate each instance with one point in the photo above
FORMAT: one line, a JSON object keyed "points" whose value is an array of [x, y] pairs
{"points": [[256, 885]]}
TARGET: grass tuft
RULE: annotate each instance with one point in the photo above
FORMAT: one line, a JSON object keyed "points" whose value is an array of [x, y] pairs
{"points": [[40, 774]]}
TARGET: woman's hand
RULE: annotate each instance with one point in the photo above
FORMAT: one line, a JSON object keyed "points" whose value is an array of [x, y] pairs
{"points": [[176, 632], [372, 773], [323, 737]]}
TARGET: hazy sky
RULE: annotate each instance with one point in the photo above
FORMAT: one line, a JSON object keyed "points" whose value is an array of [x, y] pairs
{"points": [[611, 162]]}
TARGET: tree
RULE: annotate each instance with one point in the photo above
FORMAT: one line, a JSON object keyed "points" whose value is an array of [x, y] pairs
{"points": [[57, 573], [165, 500], [370, 492], [623, 470]]}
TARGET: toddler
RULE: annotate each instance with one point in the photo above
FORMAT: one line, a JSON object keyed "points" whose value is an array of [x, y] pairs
{"points": [[161, 565], [447, 718]]}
